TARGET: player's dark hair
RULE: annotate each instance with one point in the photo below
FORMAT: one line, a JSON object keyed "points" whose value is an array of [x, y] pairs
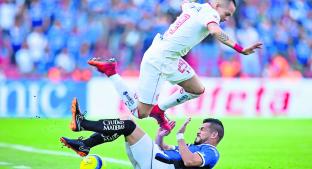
{"points": [[216, 125]]}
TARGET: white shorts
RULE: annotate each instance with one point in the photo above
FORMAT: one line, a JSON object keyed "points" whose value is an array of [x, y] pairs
{"points": [[155, 68], [142, 155]]}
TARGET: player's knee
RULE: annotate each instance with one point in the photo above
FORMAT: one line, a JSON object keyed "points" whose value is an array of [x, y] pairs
{"points": [[198, 92], [142, 114], [143, 110], [202, 91], [129, 127]]}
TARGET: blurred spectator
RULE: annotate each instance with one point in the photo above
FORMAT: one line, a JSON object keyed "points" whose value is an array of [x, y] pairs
{"points": [[65, 61], [279, 68], [8, 11], [83, 56], [250, 63], [37, 44], [24, 60], [18, 33], [36, 12], [230, 68], [54, 39], [5, 52]]}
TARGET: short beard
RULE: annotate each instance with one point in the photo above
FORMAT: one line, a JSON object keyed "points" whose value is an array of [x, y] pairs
{"points": [[196, 142]]}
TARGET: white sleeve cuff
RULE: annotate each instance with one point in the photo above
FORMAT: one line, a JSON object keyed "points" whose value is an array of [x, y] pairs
{"points": [[202, 157], [180, 136]]}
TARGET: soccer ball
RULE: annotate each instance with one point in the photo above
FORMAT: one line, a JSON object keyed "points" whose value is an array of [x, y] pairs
{"points": [[93, 162]]}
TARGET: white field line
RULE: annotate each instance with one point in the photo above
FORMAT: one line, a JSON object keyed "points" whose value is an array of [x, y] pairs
{"points": [[15, 167], [56, 153], [4, 163], [21, 167]]}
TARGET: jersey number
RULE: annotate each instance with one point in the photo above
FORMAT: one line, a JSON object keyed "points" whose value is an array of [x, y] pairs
{"points": [[182, 66]]}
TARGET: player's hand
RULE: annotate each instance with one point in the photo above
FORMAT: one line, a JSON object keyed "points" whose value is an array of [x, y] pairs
{"points": [[183, 127], [162, 132], [251, 49]]}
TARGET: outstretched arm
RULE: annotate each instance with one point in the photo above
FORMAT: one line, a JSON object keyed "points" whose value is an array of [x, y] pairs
{"points": [[218, 33], [160, 137], [189, 158]]}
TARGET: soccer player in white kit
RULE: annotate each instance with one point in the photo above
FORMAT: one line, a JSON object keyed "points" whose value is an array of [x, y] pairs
{"points": [[142, 151], [163, 59]]}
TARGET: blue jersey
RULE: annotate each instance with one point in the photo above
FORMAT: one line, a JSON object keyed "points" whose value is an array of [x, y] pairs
{"points": [[208, 153]]}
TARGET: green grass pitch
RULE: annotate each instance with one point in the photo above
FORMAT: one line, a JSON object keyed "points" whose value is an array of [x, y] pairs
{"points": [[248, 144]]}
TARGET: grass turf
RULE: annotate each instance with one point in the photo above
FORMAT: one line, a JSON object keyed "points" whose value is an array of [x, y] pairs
{"points": [[248, 143]]}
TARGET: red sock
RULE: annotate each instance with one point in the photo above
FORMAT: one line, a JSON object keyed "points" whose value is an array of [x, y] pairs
{"points": [[156, 110], [110, 70]]}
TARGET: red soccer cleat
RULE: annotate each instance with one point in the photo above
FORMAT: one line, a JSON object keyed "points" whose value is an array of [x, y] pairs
{"points": [[162, 120], [108, 67]]}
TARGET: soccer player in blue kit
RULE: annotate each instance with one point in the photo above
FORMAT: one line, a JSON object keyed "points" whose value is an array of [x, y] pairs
{"points": [[201, 154], [142, 151]]}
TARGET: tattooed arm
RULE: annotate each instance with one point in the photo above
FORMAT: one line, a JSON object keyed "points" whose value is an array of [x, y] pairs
{"points": [[218, 33]]}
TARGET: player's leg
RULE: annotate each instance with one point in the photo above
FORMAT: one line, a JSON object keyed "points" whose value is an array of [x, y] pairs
{"points": [[150, 81], [143, 152], [190, 83], [107, 130], [110, 131], [191, 89], [193, 86], [149, 85], [108, 67], [141, 146], [130, 156]]}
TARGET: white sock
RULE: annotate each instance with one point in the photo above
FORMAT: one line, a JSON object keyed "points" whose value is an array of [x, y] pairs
{"points": [[176, 98], [127, 95]]}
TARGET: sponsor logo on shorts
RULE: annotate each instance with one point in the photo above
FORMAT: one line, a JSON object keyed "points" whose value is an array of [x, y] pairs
{"points": [[183, 98], [182, 66]]}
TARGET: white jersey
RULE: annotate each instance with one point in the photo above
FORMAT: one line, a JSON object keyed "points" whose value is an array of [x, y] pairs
{"points": [[162, 60], [189, 29]]}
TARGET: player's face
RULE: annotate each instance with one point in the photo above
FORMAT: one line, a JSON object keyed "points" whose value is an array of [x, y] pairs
{"points": [[226, 11], [203, 134]]}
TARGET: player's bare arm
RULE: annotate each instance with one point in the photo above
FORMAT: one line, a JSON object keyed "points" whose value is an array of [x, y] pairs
{"points": [[190, 159], [160, 137], [218, 33]]}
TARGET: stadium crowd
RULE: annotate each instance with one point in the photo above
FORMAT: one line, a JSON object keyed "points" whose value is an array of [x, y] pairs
{"points": [[55, 38]]}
